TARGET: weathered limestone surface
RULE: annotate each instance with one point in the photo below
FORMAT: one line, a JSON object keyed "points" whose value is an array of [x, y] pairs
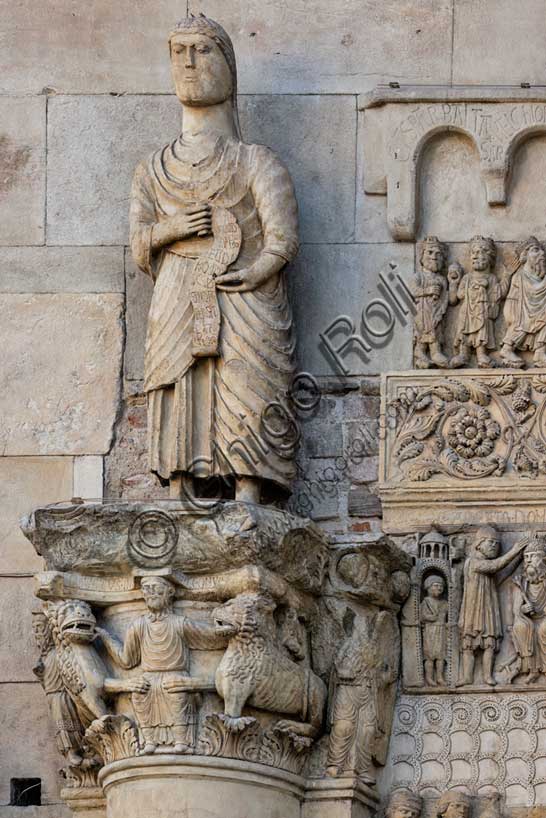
{"points": [[59, 396], [281, 50], [61, 270], [22, 170], [480, 28], [24, 714], [17, 648], [319, 153], [139, 295], [315, 47], [342, 280], [94, 144], [24, 483]]}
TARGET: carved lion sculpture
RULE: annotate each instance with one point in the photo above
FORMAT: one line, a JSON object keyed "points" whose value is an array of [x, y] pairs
{"points": [[256, 671]]}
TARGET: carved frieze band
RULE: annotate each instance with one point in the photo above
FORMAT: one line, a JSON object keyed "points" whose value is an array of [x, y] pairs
{"points": [[399, 122]]}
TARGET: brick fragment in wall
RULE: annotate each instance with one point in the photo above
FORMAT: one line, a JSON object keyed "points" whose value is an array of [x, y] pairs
{"points": [[362, 503], [127, 474]]}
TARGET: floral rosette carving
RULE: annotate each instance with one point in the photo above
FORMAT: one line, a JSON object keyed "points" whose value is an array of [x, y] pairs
{"points": [[473, 432], [446, 428]]}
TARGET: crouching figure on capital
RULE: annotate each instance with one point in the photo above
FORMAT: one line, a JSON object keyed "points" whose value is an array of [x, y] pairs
{"points": [[159, 644]]}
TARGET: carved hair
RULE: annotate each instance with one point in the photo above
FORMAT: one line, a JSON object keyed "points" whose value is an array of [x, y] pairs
{"points": [[432, 241], [403, 798], [214, 31], [486, 532], [489, 246], [451, 797], [522, 249], [434, 579]]}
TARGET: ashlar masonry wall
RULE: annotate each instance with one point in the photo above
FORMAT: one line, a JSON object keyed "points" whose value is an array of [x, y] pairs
{"points": [[85, 92]]}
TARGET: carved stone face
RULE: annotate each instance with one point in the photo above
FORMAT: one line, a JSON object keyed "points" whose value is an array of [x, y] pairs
{"points": [[404, 811], [436, 589], [157, 594], [536, 260], [480, 258], [432, 259], [199, 69], [489, 548], [534, 565], [456, 809]]}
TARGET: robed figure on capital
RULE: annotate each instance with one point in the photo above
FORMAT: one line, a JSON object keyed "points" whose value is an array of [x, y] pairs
{"points": [[213, 222]]}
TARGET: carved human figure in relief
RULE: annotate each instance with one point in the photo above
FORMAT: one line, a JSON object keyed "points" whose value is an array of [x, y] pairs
{"points": [[479, 292], [529, 611], [480, 622], [214, 222], [525, 306], [68, 727], [365, 671], [158, 643], [431, 298], [403, 803], [453, 804], [434, 612]]}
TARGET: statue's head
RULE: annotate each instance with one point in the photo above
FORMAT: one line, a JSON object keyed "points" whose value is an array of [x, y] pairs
{"points": [[76, 621], [433, 255], [202, 62], [453, 804], [531, 254], [158, 593], [487, 542], [434, 585], [403, 803], [482, 253], [41, 629], [534, 558]]}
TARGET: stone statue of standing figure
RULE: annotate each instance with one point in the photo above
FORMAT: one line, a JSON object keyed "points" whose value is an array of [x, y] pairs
{"points": [[214, 222], [431, 298], [525, 306]]}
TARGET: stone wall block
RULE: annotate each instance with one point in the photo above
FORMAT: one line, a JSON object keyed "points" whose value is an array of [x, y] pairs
{"points": [[33, 754], [332, 281], [94, 145], [25, 483], [61, 270], [317, 46], [315, 136], [60, 378], [497, 42], [18, 652], [22, 169]]}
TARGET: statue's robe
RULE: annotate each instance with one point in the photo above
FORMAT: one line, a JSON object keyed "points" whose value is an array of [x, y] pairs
{"points": [[429, 309], [529, 632], [434, 616], [480, 622], [480, 294], [525, 311], [159, 645], [205, 414]]}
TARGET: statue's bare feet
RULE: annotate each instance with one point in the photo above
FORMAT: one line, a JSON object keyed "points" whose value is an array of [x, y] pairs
{"points": [[180, 748], [149, 748], [510, 358], [332, 771], [532, 677], [73, 758]]}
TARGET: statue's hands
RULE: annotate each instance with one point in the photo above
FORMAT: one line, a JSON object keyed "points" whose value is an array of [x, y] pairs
{"points": [[192, 220], [175, 685], [250, 278], [141, 685], [104, 635], [528, 609]]}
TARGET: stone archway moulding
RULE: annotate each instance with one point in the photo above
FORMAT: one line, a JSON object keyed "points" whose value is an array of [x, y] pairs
{"points": [[400, 122]]}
